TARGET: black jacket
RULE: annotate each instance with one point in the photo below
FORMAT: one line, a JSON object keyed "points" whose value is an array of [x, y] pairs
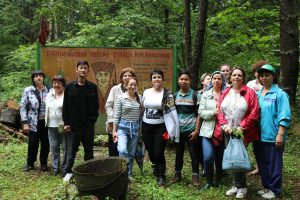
{"points": [[73, 104]]}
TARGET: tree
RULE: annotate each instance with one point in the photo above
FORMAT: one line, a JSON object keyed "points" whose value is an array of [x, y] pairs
{"points": [[289, 48], [188, 35], [199, 43]]}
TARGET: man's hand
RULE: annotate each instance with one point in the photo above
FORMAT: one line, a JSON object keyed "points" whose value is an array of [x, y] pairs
{"points": [[193, 136], [26, 128]]}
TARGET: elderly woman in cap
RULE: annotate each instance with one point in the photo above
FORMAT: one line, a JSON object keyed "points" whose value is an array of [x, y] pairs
{"points": [[32, 111], [275, 120]]}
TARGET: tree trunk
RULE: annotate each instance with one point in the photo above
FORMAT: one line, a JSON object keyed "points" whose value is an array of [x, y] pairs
{"points": [[188, 35], [289, 48], [199, 43], [166, 25]]}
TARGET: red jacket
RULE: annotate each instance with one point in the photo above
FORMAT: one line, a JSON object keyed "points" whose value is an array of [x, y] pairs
{"points": [[250, 121]]}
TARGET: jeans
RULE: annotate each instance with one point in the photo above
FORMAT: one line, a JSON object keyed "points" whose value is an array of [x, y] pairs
{"points": [[194, 150], [33, 144], [270, 163], [127, 141], [85, 135], [56, 139], [212, 154]]}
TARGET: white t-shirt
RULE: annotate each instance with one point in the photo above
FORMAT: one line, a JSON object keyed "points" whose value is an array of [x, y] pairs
{"points": [[256, 86], [152, 102]]}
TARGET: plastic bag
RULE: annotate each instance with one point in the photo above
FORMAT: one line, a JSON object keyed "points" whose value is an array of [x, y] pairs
{"points": [[236, 157]]}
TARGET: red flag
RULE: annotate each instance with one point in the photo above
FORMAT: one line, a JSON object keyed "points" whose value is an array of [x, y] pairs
{"points": [[44, 31]]}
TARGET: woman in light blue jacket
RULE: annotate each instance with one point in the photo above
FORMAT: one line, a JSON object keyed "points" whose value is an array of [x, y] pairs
{"points": [[275, 120], [208, 111]]}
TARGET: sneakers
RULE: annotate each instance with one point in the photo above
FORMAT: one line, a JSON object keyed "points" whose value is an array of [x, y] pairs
{"points": [[269, 195], [195, 180], [68, 177], [263, 191], [232, 191], [176, 178], [28, 167], [241, 193], [130, 179]]}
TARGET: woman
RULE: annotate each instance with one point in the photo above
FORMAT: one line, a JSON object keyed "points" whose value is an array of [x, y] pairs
{"points": [[204, 80], [32, 111], [115, 91], [127, 123], [159, 119], [54, 122], [239, 110], [208, 111], [275, 120]]}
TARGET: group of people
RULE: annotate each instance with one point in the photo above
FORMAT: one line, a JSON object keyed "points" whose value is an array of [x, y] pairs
{"points": [[64, 115], [204, 119]]}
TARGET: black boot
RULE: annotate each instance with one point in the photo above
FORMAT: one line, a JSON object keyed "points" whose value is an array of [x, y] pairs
{"points": [[209, 173], [161, 174], [155, 171]]}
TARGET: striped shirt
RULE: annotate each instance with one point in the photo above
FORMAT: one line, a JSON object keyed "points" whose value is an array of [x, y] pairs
{"points": [[187, 111], [126, 109]]}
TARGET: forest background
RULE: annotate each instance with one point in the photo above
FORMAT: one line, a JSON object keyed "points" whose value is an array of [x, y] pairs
{"points": [[206, 33]]}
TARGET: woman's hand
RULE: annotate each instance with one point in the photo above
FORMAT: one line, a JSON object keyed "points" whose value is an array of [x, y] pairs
{"points": [[216, 111], [279, 140], [115, 136], [228, 130]]}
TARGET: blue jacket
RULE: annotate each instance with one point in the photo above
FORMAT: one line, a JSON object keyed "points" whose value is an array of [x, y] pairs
{"points": [[274, 112]]}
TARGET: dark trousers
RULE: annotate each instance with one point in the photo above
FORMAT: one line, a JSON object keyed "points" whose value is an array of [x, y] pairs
{"points": [[154, 142], [85, 135], [112, 147], [270, 163], [33, 144], [194, 150]]}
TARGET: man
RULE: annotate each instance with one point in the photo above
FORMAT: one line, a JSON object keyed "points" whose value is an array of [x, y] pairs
{"points": [[226, 71], [32, 111], [80, 112], [186, 101]]}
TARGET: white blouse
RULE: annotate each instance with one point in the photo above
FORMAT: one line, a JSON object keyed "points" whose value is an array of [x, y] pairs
{"points": [[234, 108]]}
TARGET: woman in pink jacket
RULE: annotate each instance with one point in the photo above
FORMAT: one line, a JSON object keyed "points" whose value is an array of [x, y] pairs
{"points": [[239, 110]]}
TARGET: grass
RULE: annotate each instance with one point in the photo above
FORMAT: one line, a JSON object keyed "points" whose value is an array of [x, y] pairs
{"points": [[16, 184]]}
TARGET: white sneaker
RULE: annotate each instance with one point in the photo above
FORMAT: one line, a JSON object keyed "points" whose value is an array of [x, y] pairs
{"points": [[241, 193], [263, 191], [232, 191], [269, 195], [68, 177]]}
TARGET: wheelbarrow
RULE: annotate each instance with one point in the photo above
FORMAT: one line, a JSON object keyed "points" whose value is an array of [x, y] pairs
{"points": [[102, 177]]}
